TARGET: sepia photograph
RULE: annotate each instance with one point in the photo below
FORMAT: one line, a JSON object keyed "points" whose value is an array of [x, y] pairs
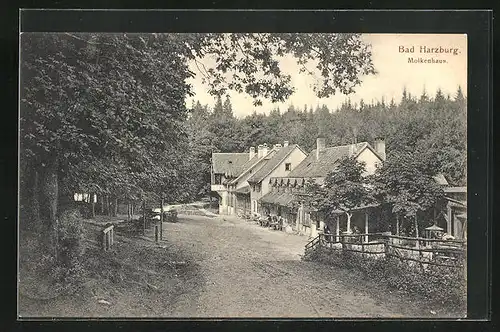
{"points": [[242, 175]]}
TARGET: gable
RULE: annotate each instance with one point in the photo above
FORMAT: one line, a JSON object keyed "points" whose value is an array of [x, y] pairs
{"points": [[272, 163], [228, 163], [371, 160]]}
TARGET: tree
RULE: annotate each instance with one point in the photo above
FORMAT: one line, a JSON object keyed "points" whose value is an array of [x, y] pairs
{"points": [[344, 189], [406, 183], [249, 62], [106, 112]]}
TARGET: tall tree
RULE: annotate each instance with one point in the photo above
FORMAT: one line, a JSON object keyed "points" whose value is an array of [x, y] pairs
{"points": [[344, 189], [406, 182]]}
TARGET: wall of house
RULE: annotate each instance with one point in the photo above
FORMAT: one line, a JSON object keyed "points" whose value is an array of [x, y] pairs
{"points": [[370, 159], [294, 158], [242, 182], [255, 196]]}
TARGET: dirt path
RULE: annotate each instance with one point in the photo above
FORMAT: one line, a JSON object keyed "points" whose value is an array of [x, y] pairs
{"points": [[250, 271]]}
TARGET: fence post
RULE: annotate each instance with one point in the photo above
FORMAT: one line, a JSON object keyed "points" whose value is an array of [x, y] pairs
{"points": [[104, 240], [386, 246]]}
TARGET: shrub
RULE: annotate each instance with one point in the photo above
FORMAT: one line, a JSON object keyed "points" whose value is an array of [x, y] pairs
{"points": [[440, 284], [70, 244]]}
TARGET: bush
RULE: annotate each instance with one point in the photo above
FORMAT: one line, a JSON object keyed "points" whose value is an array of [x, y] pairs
{"points": [[440, 284], [70, 244]]}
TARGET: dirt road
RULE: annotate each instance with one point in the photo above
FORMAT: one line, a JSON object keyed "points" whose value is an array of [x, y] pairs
{"points": [[250, 271]]}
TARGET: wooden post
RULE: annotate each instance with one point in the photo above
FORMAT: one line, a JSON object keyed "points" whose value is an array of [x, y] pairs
{"points": [[416, 233], [397, 224], [449, 229], [144, 216], [104, 241], [366, 226], [161, 217], [93, 206], [386, 246], [337, 229]]}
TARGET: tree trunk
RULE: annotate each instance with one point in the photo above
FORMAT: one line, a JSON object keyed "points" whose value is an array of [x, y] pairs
{"points": [[35, 204], [49, 194], [397, 224], [115, 212], [108, 210], [93, 205], [161, 218], [128, 211], [144, 216], [102, 204], [416, 231], [349, 215]]}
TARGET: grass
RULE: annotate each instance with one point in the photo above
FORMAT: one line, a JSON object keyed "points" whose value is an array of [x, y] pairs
{"points": [[137, 277]]}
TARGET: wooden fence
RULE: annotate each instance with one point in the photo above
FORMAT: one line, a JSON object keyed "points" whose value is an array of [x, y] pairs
{"points": [[447, 253]]}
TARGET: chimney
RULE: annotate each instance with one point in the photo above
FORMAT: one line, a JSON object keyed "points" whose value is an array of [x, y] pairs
{"points": [[285, 143], [320, 146], [352, 147], [379, 146], [252, 153], [259, 150], [265, 149], [277, 146]]}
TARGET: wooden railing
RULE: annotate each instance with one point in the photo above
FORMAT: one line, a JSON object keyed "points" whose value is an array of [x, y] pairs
{"points": [[108, 235], [313, 243], [395, 246]]}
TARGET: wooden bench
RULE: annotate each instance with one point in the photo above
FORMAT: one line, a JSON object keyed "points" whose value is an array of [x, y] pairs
{"points": [[108, 235]]}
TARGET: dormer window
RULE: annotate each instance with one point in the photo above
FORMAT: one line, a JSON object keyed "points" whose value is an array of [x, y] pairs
{"points": [[288, 167]]}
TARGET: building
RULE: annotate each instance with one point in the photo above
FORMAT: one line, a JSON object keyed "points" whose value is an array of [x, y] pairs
{"points": [[282, 163], [284, 198], [456, 212], [238, 177], [224, 167]]}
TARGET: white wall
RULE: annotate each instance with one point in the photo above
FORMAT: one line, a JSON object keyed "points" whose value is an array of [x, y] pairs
{"points": [[370, 159], [294, 158]]}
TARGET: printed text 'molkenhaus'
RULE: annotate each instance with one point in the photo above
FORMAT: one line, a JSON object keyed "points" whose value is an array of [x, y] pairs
{"points": [[422, 60]]}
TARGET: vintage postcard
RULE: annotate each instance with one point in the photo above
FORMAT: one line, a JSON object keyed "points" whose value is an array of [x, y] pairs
{"points": [[248, 175]]}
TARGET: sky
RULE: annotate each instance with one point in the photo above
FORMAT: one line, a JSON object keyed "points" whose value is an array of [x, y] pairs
{"points": [[394, 73]]}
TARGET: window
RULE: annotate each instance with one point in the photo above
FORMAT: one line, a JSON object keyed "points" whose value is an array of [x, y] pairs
{"points": [[288, 167]]}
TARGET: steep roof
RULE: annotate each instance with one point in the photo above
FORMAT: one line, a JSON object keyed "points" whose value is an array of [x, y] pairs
{"points": [[253, 163], [229, 163], [272, 163], [310, 167], [278, 198], [440, 179]]}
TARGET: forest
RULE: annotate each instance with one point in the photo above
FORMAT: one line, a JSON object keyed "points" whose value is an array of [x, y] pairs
{"points": [[432, 127]]}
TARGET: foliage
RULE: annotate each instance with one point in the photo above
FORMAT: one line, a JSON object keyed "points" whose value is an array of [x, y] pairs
{"points": [[344, 188], [249, 62], [440, 285], [406, 182]]}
